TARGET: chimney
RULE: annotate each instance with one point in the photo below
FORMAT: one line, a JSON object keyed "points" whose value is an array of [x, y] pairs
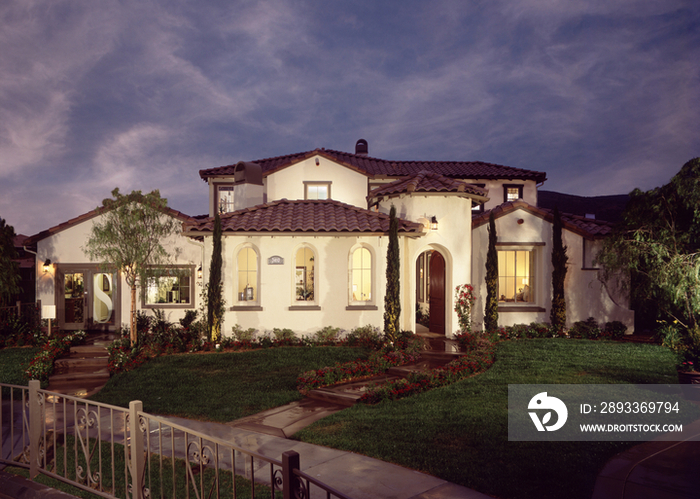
{"points": [[361, 148], [248, 185]]}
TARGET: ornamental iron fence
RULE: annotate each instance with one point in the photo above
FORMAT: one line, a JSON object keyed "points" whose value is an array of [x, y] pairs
{"points": [[115, 452]]}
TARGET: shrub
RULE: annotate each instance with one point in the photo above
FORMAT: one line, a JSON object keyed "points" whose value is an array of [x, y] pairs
{"points": [[243, 334], [614, 329], [364, 336], [587, 329], [327, 336], [41, 367], [464, 302]]}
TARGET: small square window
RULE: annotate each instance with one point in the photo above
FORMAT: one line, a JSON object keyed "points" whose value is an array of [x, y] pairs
{"points": [[317, 190], [168, 288], [512, 193]]}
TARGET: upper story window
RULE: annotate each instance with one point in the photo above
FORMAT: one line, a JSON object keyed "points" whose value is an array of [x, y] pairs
{"points": [[317, 190], [247, 291], [512, 192], [224, 198], [170, 286], [515, 276], [361, 276]]}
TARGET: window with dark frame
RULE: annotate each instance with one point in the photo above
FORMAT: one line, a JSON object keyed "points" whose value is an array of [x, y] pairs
{"points": [[512, 192]]}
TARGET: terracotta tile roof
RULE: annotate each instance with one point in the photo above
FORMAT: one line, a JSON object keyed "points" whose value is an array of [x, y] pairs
{"points": [[586, 227], [381, 168], [85, 217], [302, 216], [426, 181]]}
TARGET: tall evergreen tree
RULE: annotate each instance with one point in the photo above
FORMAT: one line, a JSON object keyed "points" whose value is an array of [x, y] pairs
{"points": [[9, 270], [215, 298], [491, 306], [557, 315], [392, 299]]}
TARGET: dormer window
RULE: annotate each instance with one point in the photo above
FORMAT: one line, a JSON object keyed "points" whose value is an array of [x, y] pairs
{"points": [[317, 190]]}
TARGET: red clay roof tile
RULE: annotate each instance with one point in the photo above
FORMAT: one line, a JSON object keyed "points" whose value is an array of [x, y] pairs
{"points": [[302, 216]]}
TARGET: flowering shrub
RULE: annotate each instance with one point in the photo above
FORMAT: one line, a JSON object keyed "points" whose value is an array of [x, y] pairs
{"points": [[41, 366], [378, 363], [464, 302], [474, 362]]}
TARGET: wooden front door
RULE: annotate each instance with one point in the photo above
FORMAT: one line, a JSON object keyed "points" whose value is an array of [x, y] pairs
{"points": [[437, 293]]}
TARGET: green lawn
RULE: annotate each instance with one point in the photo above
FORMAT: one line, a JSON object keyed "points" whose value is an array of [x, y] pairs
{"points": [[13, 362], [460, 432], [221, 386]]}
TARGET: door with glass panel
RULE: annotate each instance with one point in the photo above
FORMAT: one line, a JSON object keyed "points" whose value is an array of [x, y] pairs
{"points": [[87, 299]]}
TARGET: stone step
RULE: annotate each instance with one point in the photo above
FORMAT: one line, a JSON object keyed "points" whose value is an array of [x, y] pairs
{"points": [[102, 376], [91, 364], [87, 351]]}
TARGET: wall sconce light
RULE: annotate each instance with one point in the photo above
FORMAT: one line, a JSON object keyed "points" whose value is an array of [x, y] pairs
{"points": [[199, 272], [434, 223], [47, 265]]}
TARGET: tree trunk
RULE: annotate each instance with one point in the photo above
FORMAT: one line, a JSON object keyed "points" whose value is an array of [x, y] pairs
{"points": [[132, 327]]}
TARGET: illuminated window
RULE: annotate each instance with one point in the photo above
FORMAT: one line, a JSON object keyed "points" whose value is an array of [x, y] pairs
{"points": [[317, 190], [515, 272], [247, 276], [304, 281], [168, 287], [512, 192], [361, 276]]}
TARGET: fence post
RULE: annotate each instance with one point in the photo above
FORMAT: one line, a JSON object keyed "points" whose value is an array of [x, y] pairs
{"points": [[34, 427], [290, 463], [136, 456]]}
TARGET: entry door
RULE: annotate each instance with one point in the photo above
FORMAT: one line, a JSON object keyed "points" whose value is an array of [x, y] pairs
{"points": [[437, 293], [87, 299]]}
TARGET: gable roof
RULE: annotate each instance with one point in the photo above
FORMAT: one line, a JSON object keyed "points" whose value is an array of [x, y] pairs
{"points": [[427, 182], [381, 168], [30, 241], [586, 227], [310, 215]]}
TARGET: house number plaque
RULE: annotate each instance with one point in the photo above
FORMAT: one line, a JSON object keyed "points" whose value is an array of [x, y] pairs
{"points": [[275, 260]]}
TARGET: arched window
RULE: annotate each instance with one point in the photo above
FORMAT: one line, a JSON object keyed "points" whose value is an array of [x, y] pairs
{"points": [[304, 275], [247, 291], [361, 276]]}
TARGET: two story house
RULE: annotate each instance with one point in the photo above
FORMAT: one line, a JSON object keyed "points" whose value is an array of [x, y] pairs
{"points": [[305, 238]]}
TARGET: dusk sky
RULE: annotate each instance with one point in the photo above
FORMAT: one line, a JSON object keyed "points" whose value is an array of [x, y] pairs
{"points": [[603, 95]]}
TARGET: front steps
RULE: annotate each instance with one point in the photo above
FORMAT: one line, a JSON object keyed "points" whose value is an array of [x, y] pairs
{"points": [[85, 371]]}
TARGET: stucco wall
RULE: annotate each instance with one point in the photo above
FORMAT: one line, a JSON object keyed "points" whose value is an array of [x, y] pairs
{"points": [[65, 249], [452, 239], [585, 295], [347, 185], [276, 294]]}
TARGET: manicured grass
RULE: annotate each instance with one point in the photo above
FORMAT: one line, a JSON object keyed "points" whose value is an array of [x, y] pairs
{"points": [[221, 386], [460, 432], [13, 362]]}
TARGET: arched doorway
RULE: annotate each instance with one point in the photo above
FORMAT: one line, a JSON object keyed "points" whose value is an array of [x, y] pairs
{"points": [[430, 292]]}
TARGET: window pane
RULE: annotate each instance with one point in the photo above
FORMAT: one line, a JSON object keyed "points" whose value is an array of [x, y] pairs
{"points": [[515, 276], [247, 275], [304, 275], [361, 275], [225, 199], [317, 191], [167, 290]]}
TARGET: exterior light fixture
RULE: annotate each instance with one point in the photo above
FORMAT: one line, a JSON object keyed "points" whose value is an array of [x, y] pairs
{"points": [[199, 272], [434, 223], [47, 265]]}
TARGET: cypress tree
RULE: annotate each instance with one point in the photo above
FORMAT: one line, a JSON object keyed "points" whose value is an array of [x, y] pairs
{"points": [[557, 315], [392, 299], [215, 299], [491, 307]]}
